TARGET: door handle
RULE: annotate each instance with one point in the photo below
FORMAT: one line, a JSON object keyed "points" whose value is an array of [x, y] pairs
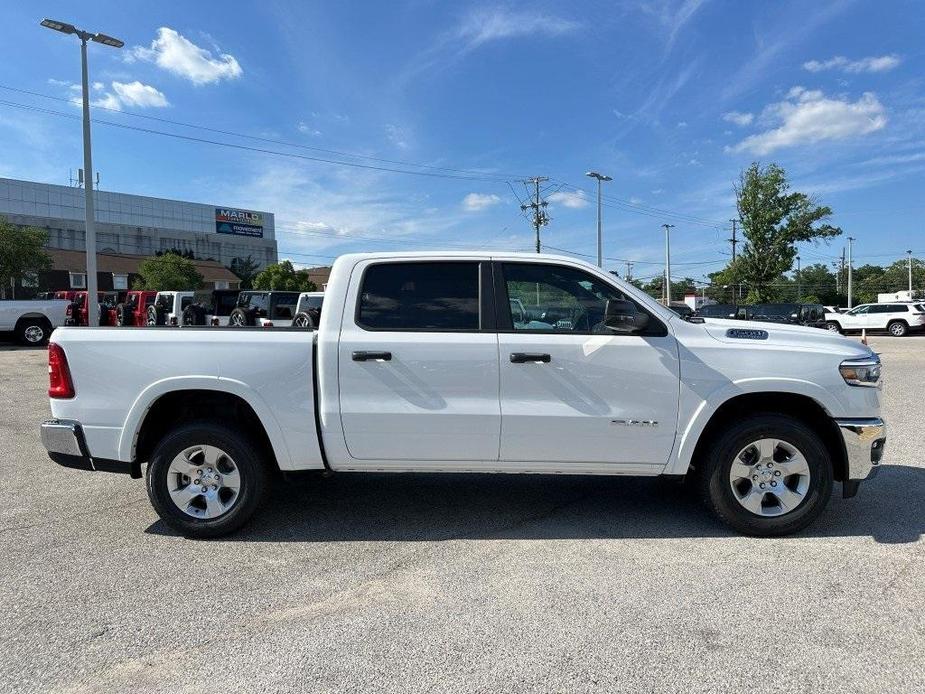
{"points": [[372, 356], [529, 357]]}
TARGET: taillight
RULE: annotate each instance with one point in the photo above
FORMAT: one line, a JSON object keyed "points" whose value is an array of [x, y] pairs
{"points": [[60, 384]]}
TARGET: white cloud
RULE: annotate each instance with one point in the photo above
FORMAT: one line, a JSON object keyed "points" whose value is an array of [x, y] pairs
{"points": [[398, 136], [574, 200], [177, 54], [880, 63], [738, 118], [484, 26], [138, 94], [476, 202], [682, 123], [308, 129], [133, 94], [807, 116]]}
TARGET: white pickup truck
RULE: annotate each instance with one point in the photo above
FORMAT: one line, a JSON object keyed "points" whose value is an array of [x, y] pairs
{"points": [[32, 320], [421, 364]]}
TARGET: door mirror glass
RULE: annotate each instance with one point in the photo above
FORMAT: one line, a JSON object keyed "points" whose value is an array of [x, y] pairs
{"points": [[622, 317]]}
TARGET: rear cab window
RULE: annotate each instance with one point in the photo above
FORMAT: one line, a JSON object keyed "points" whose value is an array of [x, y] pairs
{"points": [[441, 296]]}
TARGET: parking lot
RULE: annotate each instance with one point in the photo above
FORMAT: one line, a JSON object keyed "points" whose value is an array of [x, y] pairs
{"points": [[457, 582]]}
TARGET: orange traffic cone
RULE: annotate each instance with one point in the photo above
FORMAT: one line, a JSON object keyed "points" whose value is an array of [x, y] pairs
{"points": [[863, 336]]}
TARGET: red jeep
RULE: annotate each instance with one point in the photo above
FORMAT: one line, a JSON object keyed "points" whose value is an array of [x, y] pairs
{"points": [[76, 313], [132, 311]]}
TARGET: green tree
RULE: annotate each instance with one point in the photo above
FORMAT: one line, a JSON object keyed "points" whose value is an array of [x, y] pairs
{"points": [[774, 219], [245, 269], [818, 282], [22, 252], [168, 272], [283, 276]]}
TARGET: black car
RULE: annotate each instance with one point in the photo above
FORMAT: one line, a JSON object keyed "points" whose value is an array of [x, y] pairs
{"points": [[718, 311], [812, 315]]}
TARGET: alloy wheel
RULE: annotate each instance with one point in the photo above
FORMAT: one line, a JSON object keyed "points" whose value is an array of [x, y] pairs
{"points": [[203, 482], [34, 334], [769, 477]]}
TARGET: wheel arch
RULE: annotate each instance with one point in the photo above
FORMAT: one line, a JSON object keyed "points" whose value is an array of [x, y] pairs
{"points": [[170, 402], [798, 405]]}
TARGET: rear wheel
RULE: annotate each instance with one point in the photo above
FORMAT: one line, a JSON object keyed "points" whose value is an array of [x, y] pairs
{"points": [[33, 332], [241, 317], [898, 328], [205, 480], [766, 475], [303, 320]]}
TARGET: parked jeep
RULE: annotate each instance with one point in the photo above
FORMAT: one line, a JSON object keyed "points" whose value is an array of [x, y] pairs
{"points": [[264, 308], [308, 310], [211, 307], [132, 311], [812, 315], [168, 307], [77, 313]]}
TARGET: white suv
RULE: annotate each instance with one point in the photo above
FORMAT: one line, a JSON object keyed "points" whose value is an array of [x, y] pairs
{"points": [[898, 319]]}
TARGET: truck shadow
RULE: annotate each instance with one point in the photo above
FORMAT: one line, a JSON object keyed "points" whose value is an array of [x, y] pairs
{"points": [[431, 507]]}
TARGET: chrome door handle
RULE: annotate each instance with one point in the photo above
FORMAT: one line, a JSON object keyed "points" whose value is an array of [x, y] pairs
{"points": [[529, 358]]}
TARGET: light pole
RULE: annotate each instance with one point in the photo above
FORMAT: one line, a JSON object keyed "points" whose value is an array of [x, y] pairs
{"points": [[910, 273], [668, 228], [850, 241], [89, 219], [799, 283], [600, 244]]}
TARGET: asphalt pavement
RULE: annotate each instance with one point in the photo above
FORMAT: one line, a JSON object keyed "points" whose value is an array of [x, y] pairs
{"points": [[489, 583]]}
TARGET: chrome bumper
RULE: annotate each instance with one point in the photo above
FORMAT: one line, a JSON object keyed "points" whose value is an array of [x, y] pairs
{"points": [[64, 440], [865, 439], [64, 437]]}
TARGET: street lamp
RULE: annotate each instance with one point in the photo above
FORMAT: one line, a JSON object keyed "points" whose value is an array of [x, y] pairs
{"points": [[90, 231], [600, 244]]}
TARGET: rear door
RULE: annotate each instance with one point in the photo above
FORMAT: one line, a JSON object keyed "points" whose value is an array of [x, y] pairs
{"points": [[418, 363], [571, 390]]}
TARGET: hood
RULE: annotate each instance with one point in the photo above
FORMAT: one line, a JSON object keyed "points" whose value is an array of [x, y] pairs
{"points": [[798, 337]]}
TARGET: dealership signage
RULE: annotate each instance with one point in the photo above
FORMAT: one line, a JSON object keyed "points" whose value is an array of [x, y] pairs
{"points": [[239, 222]]}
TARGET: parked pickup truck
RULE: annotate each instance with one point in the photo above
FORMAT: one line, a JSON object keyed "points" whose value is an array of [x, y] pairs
{"points": [[419, 364], [32, 320]]}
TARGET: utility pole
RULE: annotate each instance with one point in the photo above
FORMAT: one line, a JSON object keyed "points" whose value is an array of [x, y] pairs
{"points": [[600, 244], [799, 283], [850, 268], [910, 273], [538, 206], [629, 271], [668, 228], [89, 215], [733, 240]]}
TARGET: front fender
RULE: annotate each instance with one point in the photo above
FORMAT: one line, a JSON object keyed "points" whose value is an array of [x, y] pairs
{"points": [[146, 399], [696, 412]]}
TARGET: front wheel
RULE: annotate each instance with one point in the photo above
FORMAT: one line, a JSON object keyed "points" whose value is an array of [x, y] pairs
{"points": [[832, 326], [897, 328], [205, 480], [766, 475], [33, 332]]}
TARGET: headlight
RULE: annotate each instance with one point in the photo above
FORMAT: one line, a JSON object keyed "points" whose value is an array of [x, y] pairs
{"points": [[861, 372]]}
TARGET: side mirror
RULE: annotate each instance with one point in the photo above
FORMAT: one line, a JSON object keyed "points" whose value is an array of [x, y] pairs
{"points": [[623, 317]]}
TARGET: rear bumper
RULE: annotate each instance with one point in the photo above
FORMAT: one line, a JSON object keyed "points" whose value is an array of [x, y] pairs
{"points": [[64, 440], [865, 441]]}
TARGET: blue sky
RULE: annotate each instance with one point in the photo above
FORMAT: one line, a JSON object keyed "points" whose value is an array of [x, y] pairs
{"points": [[672, 99]]}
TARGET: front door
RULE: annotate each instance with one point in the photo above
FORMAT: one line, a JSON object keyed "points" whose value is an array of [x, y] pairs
{"points": [[571, 390], [418, 363]]}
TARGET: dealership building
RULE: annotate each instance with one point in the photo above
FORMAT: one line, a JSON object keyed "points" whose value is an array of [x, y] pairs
{"points": [[130, 228]]}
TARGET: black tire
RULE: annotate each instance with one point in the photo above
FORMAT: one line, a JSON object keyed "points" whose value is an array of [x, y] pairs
{"points": [[303, 320], [33, 332], [897, 328], [716, 491], [833, 326], [250, 466], [194, 315], [156, 316], [240, 317]]}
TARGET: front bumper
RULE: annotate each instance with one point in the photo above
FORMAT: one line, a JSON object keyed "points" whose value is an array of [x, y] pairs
{"points": [[66, 445], [865, 440]]}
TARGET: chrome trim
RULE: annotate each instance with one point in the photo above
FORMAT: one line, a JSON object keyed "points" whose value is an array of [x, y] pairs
{"points": [[63, 436], [865, 439]]}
